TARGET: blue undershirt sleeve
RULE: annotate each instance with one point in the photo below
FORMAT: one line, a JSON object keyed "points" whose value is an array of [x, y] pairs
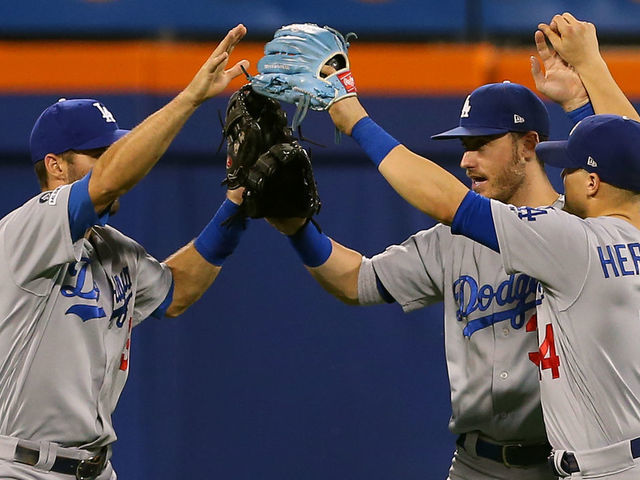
{"points": [[382, 290], [474, 220], [581, 113], [82, 213], [159, 312]]}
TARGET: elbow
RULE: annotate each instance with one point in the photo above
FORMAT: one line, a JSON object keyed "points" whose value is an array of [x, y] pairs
{"points": [[174, 311], [348, 300], [180, 304]]}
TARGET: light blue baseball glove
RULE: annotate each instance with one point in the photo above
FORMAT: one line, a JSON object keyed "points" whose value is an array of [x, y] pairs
{"points": [[290, 70]]}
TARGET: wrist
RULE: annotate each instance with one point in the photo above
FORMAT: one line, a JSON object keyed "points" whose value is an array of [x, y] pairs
{"points": [[345, 113], [313, 247], [235, 195], [581, 113], [574, 104], [187, 100], [373, 139], [222, 234]]}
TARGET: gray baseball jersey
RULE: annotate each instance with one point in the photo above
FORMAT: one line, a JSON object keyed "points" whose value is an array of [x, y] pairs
{"points": [[66, 313], [588, 319], [489, 327]]}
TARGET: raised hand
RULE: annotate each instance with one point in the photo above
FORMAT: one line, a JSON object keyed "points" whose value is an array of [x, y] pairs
{"points": [[574, 40], [212, 78], [559, 81]]}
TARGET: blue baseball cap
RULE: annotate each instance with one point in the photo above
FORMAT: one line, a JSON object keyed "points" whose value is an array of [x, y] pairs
{"points": [[608, 145], [498, 108], [78, 124]]}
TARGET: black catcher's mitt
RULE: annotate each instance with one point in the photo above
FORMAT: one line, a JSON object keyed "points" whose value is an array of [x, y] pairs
{"points": [[253, 123], [264, 157], [281, 184]]}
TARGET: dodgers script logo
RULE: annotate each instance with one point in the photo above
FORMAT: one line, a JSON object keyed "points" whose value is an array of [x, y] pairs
{"points": [[84, 311], [471, 297], [121, 294], [89, 309]]}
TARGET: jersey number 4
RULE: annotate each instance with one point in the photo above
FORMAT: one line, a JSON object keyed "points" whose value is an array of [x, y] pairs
{"points": [[546, 356]]}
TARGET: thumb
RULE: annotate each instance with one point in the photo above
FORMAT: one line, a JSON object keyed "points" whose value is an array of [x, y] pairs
{"points": [[236, 70], [536, 72]]}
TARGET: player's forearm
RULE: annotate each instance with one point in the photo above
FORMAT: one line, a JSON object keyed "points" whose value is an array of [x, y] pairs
{"points": [[419, 181], [128, 160], [339, 274], [196, 265], [605, 94], [192, 276], [422, 183]]}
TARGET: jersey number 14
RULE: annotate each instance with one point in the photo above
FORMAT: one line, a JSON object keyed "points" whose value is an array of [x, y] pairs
{"points": [[546, 356]]}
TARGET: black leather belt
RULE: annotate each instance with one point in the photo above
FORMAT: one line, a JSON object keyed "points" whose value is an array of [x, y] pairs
{"points": [[569, 464], [87, 469], [510, 455]]}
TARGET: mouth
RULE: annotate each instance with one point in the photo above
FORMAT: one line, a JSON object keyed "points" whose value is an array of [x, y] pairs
{"points": [[477, 181]]}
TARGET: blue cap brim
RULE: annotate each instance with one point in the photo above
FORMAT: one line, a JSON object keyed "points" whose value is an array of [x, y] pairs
{"points": [[102, 141], [555, 154], [459, 132]]}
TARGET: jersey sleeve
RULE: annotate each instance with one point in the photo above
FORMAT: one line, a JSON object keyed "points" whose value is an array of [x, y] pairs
{"points": [[154, 287], [547, 244], [36, 237], [44, 233], [413, 272], [368, 291]]}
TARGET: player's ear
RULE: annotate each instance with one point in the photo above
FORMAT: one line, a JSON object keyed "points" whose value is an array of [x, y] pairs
{"points": [[592, 184], [529, 141], [53, 165]]}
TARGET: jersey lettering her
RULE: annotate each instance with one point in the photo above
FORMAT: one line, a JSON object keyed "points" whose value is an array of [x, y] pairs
{"points": [[620, 259], [471, 298]]}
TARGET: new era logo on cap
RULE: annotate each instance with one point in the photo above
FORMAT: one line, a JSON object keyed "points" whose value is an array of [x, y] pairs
{"points": [[612, 139], [499, 108], [77, 124]]}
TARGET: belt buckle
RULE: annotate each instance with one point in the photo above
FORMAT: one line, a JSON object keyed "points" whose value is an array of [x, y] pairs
{"points": [[90, 468], [505, 455]]}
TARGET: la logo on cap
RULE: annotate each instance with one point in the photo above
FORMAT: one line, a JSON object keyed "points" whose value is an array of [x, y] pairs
{"points": [[466, 108]]}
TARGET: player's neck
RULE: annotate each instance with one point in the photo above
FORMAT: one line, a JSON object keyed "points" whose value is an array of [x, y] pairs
{"points": [[626, 212], [535, 191]]}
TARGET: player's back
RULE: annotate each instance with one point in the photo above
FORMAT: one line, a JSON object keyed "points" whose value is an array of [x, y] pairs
{"points": [[591, 382]]}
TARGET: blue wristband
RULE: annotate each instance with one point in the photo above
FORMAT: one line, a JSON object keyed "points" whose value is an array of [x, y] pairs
{"points": [[313, 246], [581, 113], [216, 241], [373, 139]]}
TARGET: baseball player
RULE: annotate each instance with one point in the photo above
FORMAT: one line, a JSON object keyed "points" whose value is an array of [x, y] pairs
{"points": [[489, 315], [73, 287], [490, 320], [585, 262]]}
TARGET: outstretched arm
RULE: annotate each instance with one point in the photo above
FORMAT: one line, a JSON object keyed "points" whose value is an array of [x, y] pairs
{"points": [[195, 266], [334, 266], [576, 42], [422, 183], [129, 159]]}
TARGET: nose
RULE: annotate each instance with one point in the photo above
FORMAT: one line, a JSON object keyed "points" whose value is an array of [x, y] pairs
{"points": [[469, 159]]}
